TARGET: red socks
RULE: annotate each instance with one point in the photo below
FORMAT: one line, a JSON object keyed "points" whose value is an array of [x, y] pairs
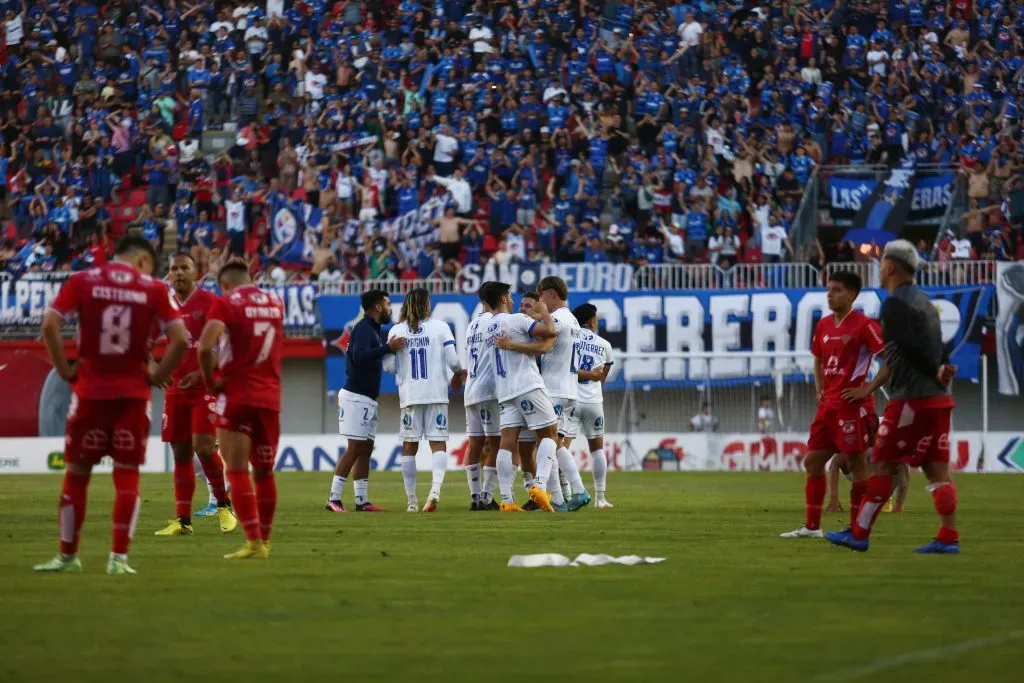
{"points": [[879, 488], [126, 507], [944, 497], [184, 488], [814, 496], [244, 502], [213, 468], [857, 490], [266, 502], [71, 510]]}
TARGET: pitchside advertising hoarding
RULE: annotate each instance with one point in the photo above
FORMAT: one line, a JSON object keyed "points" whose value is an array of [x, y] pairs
{"points": [[996, 452], [693, 321]]}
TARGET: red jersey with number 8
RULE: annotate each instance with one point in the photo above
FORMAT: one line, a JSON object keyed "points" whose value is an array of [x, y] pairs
{"points": [[251, 347], [845, 349], [117, 307]]}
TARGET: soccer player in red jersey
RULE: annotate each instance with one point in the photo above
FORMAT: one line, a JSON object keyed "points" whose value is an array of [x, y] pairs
{"points": [[844, 344], [117, 305], [245, 331], [188, 420], [916, 421]]}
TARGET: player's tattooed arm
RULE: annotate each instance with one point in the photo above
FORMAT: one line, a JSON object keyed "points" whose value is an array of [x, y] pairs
{"points": [[205, 352], [177, 347]]}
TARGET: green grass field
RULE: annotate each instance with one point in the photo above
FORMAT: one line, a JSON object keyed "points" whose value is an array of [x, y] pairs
{"points": [[399, 597]]}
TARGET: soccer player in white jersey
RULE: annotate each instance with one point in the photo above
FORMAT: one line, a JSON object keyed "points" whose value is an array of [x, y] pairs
{"points": [[558, 369], [593, 361], [422, 369], [522, 398], [481, 401]]}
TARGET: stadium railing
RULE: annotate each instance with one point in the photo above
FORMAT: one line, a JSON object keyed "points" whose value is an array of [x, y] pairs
{"points": [[799, 275]]}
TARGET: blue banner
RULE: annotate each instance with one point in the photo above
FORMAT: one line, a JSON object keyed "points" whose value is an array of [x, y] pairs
{"points": [[928, 201], [695, 321], [25, 300]]}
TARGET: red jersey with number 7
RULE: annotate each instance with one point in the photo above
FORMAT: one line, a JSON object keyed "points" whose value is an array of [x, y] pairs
{"points": [[117, 307], [845, 348], [251, 347]]}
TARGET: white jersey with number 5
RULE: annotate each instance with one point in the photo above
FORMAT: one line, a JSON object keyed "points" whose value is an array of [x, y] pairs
{"points": [[421, 367], [558, 366], [592, 353], [479, 361], [514, 373]]}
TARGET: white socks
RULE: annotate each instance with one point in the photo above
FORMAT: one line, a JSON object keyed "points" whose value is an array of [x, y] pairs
{"points": [[600, 465], [567, 464], [490, 479], [409, 475], [362, 487], [439, 465], [337, 487], [506, 475], [473, 479], [555, 489], [545, 461]]}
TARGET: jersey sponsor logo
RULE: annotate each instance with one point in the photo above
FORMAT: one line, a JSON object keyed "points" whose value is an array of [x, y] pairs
{"points": [[528, 407], [407, 419], [441, 421], [599, 422], [341, 412], [485, 416], [558, 409], [123, 440], [94, 439]]}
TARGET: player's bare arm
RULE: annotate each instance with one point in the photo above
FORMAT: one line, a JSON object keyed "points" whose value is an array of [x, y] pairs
{"points": [[177, 347], [52, 324], [596, 375], [205, 352], [856, 394], [819, 381], [535, 348], [545, 327]]}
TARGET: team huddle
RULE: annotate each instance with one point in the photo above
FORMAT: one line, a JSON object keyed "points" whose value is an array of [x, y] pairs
{"points": [[532, 382]]}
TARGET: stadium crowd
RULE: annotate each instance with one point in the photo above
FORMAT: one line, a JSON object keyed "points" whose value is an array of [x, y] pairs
{"points": [[581, 131]]}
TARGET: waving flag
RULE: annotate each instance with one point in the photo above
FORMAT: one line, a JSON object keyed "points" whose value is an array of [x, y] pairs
{"points": [[887, 207]]}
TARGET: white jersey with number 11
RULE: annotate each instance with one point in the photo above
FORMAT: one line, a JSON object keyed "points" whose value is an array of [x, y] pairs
{"points": [[422, 366]]}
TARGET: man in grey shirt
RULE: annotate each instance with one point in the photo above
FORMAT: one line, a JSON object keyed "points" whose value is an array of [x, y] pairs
{"points": [[916, 422]]}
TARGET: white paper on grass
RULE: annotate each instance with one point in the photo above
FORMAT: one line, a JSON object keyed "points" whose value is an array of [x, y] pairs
{"points": [[582, 560]]}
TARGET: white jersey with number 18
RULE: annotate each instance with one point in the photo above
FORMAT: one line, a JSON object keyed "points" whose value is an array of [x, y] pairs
{"points": [[479, 362], [514, 373], [421, 367], [558, 366], [592, 353]]}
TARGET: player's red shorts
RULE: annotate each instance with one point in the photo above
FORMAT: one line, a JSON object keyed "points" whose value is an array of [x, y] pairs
{"points": [[915, 431], [118, 428], [261, 425], [186, 415], [841, 429]]}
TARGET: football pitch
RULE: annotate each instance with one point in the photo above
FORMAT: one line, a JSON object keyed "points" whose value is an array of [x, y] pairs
{"points": [[402, 597]]}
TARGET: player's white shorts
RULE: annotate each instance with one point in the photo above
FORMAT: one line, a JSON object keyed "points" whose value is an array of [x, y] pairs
{"points": [[566, 409], [428, 422], [482, 419], [533, 410], [357, 416], [590, 419]]}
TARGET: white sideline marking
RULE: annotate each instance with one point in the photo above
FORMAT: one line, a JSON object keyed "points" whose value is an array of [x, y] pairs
{"points": [[918, 656]]}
